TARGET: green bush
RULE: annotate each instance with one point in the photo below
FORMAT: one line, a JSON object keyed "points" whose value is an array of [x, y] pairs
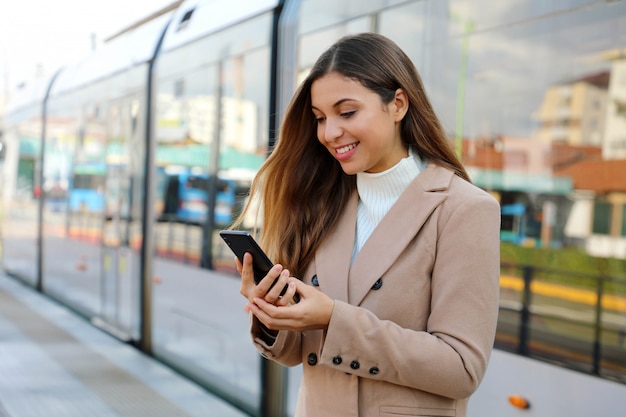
{"points": [[566, 265]]}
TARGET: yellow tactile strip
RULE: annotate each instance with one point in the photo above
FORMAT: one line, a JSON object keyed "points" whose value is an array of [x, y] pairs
{"points": [[609, 301]]}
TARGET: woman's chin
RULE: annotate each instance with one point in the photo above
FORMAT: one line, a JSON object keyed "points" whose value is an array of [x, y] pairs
{"points": [[350, 169]]}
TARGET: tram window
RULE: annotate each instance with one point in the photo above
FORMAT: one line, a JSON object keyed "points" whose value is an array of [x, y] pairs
{"points": [[170, 205], [88, 181], [198, 182], [507, 222], [601, 218], [185, 20]]}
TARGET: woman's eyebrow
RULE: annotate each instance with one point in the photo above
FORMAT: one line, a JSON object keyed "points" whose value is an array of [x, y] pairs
{"points": [[343, 100], [337, 103]]}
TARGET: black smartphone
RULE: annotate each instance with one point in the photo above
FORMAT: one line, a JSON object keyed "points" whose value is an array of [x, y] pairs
{"points": [[241, 242]]}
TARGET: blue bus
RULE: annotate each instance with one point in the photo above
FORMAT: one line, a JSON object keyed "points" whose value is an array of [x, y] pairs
{"points": [[185, 198], [86, 190]]}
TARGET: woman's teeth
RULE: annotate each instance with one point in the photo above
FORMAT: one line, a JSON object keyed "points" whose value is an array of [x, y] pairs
{"points": [[346, 148]]}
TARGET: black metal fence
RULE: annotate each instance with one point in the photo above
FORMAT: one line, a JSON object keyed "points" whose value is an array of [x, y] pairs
{"points": [[576, 320]]}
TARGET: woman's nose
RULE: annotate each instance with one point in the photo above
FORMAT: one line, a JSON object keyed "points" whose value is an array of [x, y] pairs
{"points": [[333, 130]]}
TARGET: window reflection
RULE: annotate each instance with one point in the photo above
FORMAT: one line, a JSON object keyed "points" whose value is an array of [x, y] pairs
{"points": [[211, 136], [525, 104]]}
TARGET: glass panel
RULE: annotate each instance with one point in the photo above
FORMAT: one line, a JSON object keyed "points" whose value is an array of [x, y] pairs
{"points": [[406, 25], [211, 137], [21, 192], [186, 127], [76, 155], [489, 15], [121, 236], [92, 221], [527, 92], [312, 45], [316, 15]]}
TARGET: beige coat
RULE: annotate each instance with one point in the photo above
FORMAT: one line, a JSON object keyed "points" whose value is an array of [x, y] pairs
{"points": [[415, 315]]}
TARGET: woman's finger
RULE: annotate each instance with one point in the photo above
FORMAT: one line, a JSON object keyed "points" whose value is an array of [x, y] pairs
{"points": [[288, 297], [277, 286]]}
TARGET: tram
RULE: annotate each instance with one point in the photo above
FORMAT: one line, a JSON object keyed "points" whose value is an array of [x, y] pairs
{"points": [[144, 149]]}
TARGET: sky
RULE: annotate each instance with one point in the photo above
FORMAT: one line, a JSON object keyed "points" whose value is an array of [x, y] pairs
{"points": [[39, 36]]}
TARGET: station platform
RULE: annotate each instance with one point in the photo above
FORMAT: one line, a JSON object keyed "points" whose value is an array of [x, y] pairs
{"points": [[56, 364]]}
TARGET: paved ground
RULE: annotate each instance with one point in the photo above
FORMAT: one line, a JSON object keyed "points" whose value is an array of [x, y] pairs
{"points": [[55, 364]]}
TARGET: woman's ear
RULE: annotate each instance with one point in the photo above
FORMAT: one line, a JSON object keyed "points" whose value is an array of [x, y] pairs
{"points": [[401, 103]]}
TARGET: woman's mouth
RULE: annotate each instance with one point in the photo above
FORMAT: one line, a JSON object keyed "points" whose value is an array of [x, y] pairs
{"points": [[345, 152], [346, 148]]}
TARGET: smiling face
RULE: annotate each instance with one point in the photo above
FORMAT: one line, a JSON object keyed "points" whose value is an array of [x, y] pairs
{"points": [[356, 127]]}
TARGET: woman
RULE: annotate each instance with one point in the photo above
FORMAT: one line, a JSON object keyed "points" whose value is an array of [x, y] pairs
{"points": [[396, 253]]}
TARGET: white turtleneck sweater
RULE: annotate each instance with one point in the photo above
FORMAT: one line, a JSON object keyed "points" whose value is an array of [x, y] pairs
{"points": [[379, 191]]}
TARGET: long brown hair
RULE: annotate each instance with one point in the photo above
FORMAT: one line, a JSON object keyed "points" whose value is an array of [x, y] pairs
{"points": [[301, 187]]}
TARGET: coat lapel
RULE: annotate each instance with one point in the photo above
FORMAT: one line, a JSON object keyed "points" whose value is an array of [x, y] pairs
{"points": [[332, 259], [396, 230]]}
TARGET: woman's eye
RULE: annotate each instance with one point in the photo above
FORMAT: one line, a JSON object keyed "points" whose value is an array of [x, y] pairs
{"points": [[319, 119], [347, 114]]}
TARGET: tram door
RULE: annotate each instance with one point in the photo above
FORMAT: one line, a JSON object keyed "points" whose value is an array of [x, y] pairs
{"points": [[119, 302]]}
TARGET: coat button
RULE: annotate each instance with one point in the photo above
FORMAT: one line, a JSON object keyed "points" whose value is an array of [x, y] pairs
{"points": [[374, 370], [314, 281], [312, 359], [355, 365], [378, 284], [337, 360]]}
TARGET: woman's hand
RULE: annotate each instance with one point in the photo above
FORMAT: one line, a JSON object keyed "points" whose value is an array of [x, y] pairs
{"points": [[270, 287], [312, 311]]}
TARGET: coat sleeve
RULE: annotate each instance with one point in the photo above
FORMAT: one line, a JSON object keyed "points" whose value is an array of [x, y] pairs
{"points": [[450, 356], [285, 348]]}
